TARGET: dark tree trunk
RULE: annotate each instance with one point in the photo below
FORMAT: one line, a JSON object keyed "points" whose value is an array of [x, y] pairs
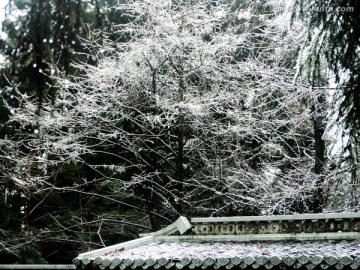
{"points": [[319, 167]]}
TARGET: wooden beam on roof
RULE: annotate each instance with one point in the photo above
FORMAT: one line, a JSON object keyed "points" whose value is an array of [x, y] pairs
{"points": [[276, 217]]}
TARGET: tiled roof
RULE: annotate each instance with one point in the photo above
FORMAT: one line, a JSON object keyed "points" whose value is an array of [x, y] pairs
{"points": [[215, 255], [273, 242]]}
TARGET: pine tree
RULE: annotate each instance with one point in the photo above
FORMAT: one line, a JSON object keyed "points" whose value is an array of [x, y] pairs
{"points": [[332, 43]]}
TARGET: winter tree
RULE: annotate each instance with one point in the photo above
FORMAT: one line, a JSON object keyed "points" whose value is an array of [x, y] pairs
{"points": [[190, 110], [39, 38]]}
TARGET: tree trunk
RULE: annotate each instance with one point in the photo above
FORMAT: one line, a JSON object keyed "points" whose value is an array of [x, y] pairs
{"points": [[319, 167]]}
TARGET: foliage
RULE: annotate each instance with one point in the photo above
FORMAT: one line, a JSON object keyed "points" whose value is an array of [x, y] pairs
{"points": [[42, 38], [171, 109], [164, 108], [332, 44]]}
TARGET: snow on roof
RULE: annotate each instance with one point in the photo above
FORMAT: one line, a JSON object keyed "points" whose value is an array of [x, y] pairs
{"points": [[232, 254], [157, 250]]}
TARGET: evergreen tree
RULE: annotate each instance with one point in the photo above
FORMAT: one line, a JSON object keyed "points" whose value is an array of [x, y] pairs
{"points": [[332, 43]]}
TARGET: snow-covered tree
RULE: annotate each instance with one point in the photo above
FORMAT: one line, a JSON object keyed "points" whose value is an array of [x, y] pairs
{"points": [[195, 114], [38, 38]]}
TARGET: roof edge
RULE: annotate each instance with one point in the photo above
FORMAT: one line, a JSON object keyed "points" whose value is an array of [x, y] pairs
{"points": [[351, 215], [181, 225], [118, 247]]}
